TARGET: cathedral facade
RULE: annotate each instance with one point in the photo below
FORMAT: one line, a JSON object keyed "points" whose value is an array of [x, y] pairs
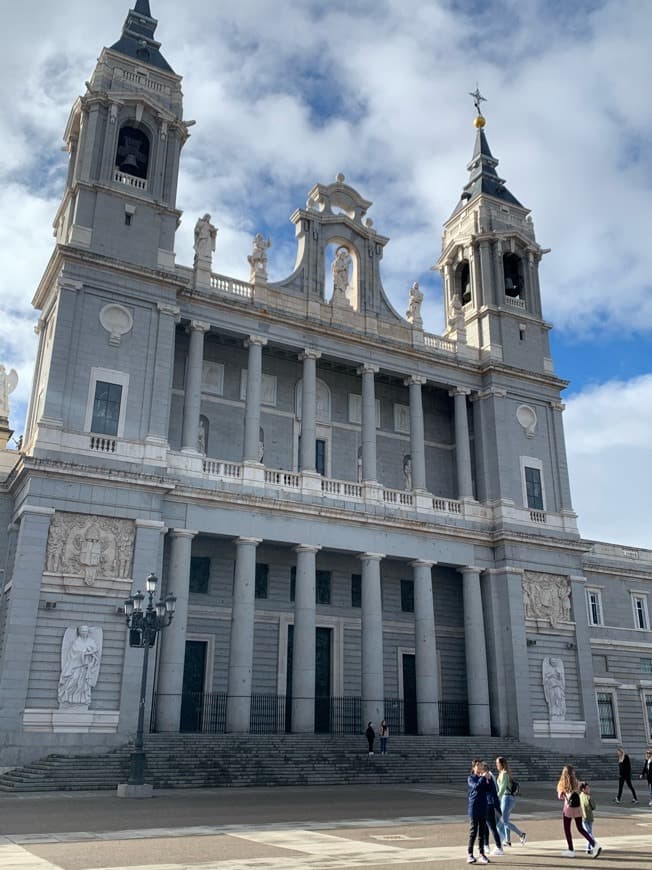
{"points": [[358, 519]]}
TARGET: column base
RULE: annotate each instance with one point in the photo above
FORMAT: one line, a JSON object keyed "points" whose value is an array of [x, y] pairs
{"points": [[125, 790]]}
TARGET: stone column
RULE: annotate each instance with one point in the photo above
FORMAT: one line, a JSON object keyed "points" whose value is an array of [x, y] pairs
{"points": [[425, 649], [499, 272], [477, 684], [172, 639], [309, 409], [369, 471], [462, 444], [57, 370], [561, 465], [303, 655], [148, 559], [241, 649], [20, 618], [417, 446], [159, 415], [373, 686], [192, 392], [489, 296], [255, 343]]}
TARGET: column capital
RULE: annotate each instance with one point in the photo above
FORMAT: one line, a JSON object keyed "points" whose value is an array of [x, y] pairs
{"points": [[470, 569], [376, 557], [459, 391], [557, 406], [415, 379], [367, 369], [255, 339], [309, 353], [199, 326], [171, 310], [491, 393], [183, 533], [422, 563], [306, 548], [246, 540]]}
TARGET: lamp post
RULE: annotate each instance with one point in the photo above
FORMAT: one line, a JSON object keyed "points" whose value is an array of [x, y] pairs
{"points": [[144, 625]]}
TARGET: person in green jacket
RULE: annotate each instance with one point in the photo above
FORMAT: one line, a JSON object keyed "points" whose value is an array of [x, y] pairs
{"points": [[588, 806]]}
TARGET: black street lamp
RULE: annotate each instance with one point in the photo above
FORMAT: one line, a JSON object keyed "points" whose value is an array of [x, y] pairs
{"points": [[144, 625]]}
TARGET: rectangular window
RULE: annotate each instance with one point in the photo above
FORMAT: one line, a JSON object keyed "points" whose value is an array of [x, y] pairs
{"points": [[323, 586], [200, 569], [646, 666], [533, 488], [106, 408], [293, 582], [320, 457], [356, 590], [639, 603], [606, 716], [407, 596], [594, 603], [262, 575]]}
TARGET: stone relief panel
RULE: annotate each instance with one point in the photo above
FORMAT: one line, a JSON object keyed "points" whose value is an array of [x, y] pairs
{"points": [[546, 598], [90, 547]]}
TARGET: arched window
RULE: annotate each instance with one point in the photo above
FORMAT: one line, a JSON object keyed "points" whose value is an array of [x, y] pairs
{"points": [[513, 272], [463, 282], [132, 154]]}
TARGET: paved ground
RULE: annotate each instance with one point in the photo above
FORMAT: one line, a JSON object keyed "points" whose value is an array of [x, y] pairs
{"points": [[287, 829]]}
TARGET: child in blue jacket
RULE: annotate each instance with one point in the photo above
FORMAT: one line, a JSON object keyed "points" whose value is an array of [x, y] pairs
{"points": [[479, 787]]}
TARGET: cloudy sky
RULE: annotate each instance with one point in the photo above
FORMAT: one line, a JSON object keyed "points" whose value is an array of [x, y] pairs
{"points": [[287, 93]]}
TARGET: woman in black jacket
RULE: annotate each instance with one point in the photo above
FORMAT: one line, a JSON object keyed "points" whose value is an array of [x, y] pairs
{"points": [[624, 775], [646, 773]]}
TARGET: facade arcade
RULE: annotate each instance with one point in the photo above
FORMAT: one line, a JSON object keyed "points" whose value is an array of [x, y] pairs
{"points": [[359, 519]]}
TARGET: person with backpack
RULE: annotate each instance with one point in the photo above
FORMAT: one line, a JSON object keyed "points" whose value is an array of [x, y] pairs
{"points": [[508, 788], [568, 791]]}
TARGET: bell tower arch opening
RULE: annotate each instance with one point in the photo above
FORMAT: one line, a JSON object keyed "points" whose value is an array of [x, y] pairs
{"points": [[514, 276], [133, 151]]}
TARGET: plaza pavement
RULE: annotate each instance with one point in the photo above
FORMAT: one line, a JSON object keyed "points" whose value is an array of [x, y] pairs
{"points": [[411, 826]]}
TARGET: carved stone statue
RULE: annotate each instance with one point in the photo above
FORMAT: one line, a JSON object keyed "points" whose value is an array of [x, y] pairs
{"points": [[407, 472], [340, 269], [456, 315], [8, 382], [546, 598], [554, 687], [205, 236], [258, 257], [413, 313], [202, 435], [81, 652]]}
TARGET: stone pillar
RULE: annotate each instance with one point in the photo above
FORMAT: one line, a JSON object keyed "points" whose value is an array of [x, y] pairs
{"points": [[499, 272], [148, 559], [57, 370], [477, 684], [425, 649], [303, 655], [561, 464], [21, 603], [462, 444], [172, 639], [309, 409], [255, 343], [369, 472], [241, 649], [159, 415], [373, 686], [192, 392], [417, 446], [489, 296]]}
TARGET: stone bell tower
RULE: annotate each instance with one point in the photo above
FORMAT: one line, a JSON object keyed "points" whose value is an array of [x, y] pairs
{"points": [[490, 265], [124, 136]]}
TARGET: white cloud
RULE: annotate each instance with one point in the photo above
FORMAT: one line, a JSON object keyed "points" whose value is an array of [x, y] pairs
{"points": [[608, 431]]}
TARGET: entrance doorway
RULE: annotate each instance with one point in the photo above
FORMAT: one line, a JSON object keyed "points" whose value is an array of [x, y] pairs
{"points": [[409, 694], [194, 674]]}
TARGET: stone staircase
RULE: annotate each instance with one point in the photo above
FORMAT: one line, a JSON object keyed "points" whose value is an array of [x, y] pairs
{"points": [[205, 761]]}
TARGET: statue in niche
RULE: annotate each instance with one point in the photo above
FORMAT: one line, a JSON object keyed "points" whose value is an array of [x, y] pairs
{"points": [[407, 472], [81, 652], [456, 316], [205, 236], [202, 435], [359, 464], [258, 257], [8, 382], [413, 313], [554, 687], [261, 444], [546, 598], [340, 268]]}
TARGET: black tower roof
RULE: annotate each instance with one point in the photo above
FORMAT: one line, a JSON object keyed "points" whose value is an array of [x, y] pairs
{"points": [[137, 40], [483, 177]]}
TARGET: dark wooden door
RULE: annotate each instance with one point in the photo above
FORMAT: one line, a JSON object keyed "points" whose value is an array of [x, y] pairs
{"points": [[194, 673], [323, 680], [409, 694]]}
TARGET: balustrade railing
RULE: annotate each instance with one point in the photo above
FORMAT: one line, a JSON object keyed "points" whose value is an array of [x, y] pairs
{"points": [[448, 505], [439, 343], [130, 180], [399, 497], [102, 444], [229, 285], [288, 479], [345, 488], [538, 516], [225, 470]]}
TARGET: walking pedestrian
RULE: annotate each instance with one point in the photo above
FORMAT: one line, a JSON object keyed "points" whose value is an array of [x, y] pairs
{"points": [[493, 812], [646, 773], [568, 792], [370, 734], [588, 808], [384, 734], [507, 800], [478, 790], [624, 776]]}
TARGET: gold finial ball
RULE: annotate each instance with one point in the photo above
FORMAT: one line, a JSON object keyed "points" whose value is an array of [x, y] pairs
{"points": [[479, 122]]}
